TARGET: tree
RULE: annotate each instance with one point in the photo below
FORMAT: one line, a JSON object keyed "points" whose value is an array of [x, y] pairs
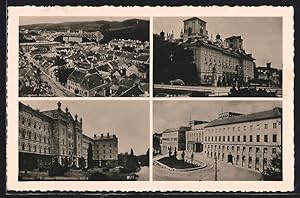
{"points": [[173, 61], [274, 170], [90, 156], [131, 152]]}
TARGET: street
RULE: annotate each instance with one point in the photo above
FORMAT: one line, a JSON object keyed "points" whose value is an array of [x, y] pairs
{"points": [[226, 172], [143, 174]]}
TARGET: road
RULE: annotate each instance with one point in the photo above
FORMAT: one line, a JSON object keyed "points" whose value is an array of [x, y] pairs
{"points": [[143, 174], [55, 88], [226, 172]]}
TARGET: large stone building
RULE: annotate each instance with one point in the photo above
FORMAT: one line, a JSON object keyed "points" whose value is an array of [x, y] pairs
{"points": [[218, 62], [245, 140], [45, 135], [105, 149], [174, 139]]}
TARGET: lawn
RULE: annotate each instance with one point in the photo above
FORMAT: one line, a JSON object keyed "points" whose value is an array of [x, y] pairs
{"points": [[174, 163]]}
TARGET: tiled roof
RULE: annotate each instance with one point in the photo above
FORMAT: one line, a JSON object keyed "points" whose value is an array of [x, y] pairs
{"points": [[76, 76], [91, 81], [274, 113]]}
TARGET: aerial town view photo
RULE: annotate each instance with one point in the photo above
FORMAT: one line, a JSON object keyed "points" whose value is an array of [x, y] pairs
{"points": [[217, 56], [84, 56], [217, 141], [75, 140]]}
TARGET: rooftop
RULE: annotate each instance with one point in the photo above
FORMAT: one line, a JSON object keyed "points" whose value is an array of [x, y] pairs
{"points": [[273, 113]]}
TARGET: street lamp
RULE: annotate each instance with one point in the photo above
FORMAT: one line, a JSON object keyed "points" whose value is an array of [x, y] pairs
{"points": [[216, 169]]}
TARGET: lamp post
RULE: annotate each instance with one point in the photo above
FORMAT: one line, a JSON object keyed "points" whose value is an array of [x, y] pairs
{"points": [[216, 169]]}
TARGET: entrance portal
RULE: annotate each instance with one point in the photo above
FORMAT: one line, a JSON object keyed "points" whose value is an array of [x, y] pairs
{"points": [[229, 159]]}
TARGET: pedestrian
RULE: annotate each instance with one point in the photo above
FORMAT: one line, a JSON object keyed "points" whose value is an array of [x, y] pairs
{"points": [[192, 157]]}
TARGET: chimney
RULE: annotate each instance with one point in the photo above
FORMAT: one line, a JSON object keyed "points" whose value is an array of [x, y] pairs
{"points": [[67, 109], [101, 135], [76, 117], [107, 134], [95, 135]]}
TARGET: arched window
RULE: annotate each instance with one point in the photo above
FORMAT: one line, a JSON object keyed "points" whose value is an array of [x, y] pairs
{"points": [[29, 147], [40, 149], [49, 140], [45, 141], [190, 30], [34, 148], [40, 137], [29, 134], [29, 122], [23, 133], [49, 151], [23, 147], [45, 150], [34, 136], [23, 120]]}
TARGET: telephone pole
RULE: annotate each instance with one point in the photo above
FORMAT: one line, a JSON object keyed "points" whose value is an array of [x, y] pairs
{"points": [[216, 169]]}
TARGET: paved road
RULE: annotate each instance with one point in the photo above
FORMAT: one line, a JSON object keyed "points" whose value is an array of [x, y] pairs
{"points": [[226, 172], [56, 90], [143, 174]]}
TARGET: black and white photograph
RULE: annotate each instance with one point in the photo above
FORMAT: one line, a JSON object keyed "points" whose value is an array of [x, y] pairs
{"points": [[217, 56], [217, 141], [83, 56], [76, 140]]}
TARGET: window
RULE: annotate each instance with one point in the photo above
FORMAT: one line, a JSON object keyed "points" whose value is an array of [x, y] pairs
{"points": [[250, 138], [216, 138], [23, 120], [45, 150], [244, 138], [110, 156], [110, 151], [219, 138], [23, 133], [238, 148], [274, 138], [228, 138], [205, 138], [34, 136], [223, 138], [103, 156], [40, 149], [273, 150], [34, 125], [250, 149], [232, 148], [238, 138], [251, 127], [257, 127], [274, 125], [45, 140], [49, 151], [257, 149], [266, 126], [103, 151], [257, 138], [233, 128], [34, 148], [244, 149], [23, 147], [103, 145], [265, 138], [239, 128], [109, 145], [265, 150], [227, 148], [245, 128], [233, 138], [29, 147], [29, 135]]}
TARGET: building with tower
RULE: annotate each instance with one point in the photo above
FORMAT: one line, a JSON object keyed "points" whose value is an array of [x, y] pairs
{"points": [[45, 135], [218, 62]]}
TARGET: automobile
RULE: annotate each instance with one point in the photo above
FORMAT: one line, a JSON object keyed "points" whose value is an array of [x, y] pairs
{"points": [[177, 82]]}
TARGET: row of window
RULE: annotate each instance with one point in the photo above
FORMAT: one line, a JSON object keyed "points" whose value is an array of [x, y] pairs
{"points": [[238, 148], [34, 124], [34, 136], [240, 138], [242, 161], [35, 148], [238, 128], [104, 151], [104, 157], [110, 145]]}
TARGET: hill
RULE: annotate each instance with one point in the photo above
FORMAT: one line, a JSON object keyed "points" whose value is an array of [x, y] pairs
{"points": [[128, 29]]}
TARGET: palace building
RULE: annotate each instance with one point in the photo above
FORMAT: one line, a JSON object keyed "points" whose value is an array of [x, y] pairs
{"points": [[45, 135], [245, 140], [248, 141], [218, 62]]}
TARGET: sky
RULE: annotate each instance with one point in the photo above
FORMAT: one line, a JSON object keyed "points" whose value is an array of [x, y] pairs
{"points": [[128, 120], [262, 35], [173, 114], [29, 20]]}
